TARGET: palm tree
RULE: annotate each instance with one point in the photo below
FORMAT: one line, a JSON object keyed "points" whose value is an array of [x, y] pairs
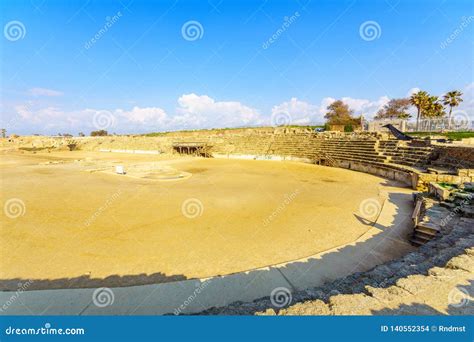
{"points": [[420, 100], [452, 99], [433, 110]]}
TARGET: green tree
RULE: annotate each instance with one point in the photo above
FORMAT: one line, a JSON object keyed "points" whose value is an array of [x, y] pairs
{"points": [[434, 108], [452, 99], [420, 100], [395, 109], [339, 113], [99, 133]]}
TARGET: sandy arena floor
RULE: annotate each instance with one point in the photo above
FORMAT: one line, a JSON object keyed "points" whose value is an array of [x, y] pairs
{"points": [[83, 226]]}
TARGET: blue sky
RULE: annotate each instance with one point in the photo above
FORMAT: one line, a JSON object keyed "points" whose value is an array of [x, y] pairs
{"points": [[251, 62]]}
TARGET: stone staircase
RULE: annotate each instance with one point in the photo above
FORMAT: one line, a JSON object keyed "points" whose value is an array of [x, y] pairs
{"points": [[434, 211], [403, 153], [311, 147], [430, 224], [296, 145], [352, 150], [392, 159], [389, 154]]}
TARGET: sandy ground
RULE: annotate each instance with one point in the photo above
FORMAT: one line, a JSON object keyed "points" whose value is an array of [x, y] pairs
{"points": [[83, 229]]}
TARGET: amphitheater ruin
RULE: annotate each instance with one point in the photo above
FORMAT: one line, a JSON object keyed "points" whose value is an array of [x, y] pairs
{"points": [[214, 222]]}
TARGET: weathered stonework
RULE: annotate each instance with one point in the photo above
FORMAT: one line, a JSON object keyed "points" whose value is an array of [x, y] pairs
{"points": [[407, 162], [420, 283], [432, 271]]}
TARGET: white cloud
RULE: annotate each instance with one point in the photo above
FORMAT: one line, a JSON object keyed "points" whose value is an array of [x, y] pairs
{"points": [[296, 112], [193, 112], [467, 105], [365, 107], [44, 92], [470, 88], [27, 112], [143, 115], [23, 111], [412, 91], [325, 102], [203, 110], [51, 113], [302, 112]]}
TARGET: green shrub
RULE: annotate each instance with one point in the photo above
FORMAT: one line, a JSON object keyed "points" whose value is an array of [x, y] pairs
{"points": [[348, 128], [99, 133]]}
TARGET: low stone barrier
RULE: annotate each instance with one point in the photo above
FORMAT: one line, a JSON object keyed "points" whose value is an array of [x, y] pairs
{"points": [[290, 144], [131, 151]]}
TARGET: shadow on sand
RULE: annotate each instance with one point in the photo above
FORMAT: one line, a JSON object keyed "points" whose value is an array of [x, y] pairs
{"points": [[333, 263], [380, 244], [339, 269]]}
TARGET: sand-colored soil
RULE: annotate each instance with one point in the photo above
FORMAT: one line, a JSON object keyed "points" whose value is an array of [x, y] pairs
{"points": [[82, 227]]}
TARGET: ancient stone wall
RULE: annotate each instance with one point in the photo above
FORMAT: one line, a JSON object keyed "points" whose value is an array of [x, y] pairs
{"points": [[391, 288], [365, 152], [455, 156]]}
